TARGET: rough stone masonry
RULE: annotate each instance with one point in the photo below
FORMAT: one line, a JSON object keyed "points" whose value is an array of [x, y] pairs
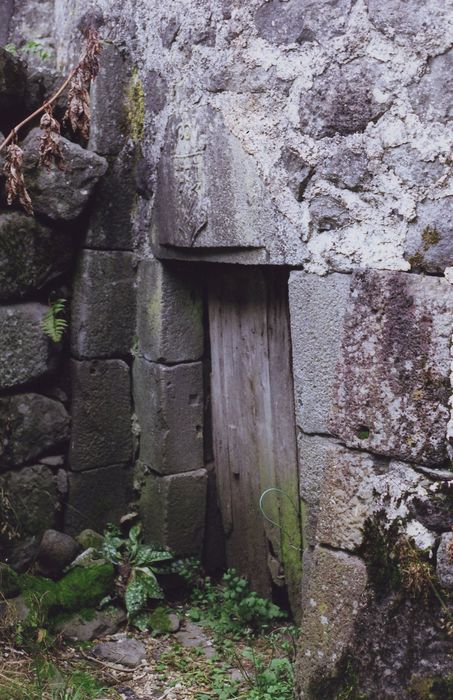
{"points": [[310, 134]]}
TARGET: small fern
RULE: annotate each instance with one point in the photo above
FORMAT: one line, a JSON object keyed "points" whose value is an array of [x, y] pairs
{"points": [[52, 324]]}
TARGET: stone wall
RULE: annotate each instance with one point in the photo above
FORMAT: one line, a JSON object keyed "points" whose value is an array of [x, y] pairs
{"points": [[36, 259], [313, 135]]}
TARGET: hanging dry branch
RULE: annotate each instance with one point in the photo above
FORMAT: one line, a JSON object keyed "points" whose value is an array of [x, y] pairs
{"points": [[49, 147], [15, 185], [77, 114]]}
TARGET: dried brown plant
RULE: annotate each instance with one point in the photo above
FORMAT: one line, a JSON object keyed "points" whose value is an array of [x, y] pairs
{"points": [[78, 112], [49, 147], [15, 185]]}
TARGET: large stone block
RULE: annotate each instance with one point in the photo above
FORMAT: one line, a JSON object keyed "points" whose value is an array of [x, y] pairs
{"points": [[29, 500], [357, 485], [103, 308], [317, 307], [335, 592], [173, 509], [169, 407], [61, 194], [30, 255], [110, 225], [342, 99], [101, 414], [109, 127], [430, 97], [209, 193], [444, 568], [25, 351], [30, 425], [97, 497], [392, 385], [409, 19], [294, 21], [429, 244], [169, 313]]}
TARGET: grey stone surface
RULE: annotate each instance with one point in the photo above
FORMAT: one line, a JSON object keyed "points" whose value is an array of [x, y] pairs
{"points": [[345, 168], [96, 498], [317, 307], [6, 11], [342, 100], [101, 408], [56, 551], [104, 622], [30, 255], [103, 307], [444, 568], [299, 172], [169, 313], [192, 636], [127, 652], [25, 352], [172, 509], [430, 97], [335, 593], [33, 498], [61, 194], [293, 21], [169, 408], [30, 425], [328, 213], [22, 555], [12, 86], [408, 19], [429, 244], [355, 486], [392, 383], [208, 193], [313, 455], [110, 226], [406, 162], [108, 129]]}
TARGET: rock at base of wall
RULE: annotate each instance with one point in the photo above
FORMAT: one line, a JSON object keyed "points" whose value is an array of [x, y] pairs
{"points": [[173, 509], [30, 500], [96, 498], [335, 593], [56, 551], [30, 425]]}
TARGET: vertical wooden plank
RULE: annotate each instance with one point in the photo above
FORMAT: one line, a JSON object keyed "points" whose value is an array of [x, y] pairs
{"points": [[253, 418], [284, 433]]}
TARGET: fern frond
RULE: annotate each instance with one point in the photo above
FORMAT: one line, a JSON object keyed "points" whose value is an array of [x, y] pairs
{"points": [[53, 326]]}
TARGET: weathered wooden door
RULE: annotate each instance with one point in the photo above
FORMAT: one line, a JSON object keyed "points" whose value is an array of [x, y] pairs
{"points": [[254, 425]]}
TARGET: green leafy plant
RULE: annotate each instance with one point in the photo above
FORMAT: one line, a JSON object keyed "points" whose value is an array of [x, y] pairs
{"points": [[138, 566], [233, 608], [53, 324]]}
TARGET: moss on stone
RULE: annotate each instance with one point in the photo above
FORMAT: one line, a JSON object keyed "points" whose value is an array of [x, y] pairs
{"points": [[430, 236], [9, 581], [135, 108], [160, 621], [85, 587], [431, 688]]}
